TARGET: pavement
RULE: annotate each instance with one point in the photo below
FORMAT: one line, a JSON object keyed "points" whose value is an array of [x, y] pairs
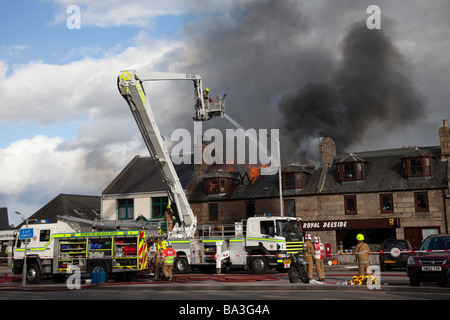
{"points": [[272, 281]]}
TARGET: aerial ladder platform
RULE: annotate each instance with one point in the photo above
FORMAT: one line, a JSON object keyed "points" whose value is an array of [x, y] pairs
{"points": [[130, 85]]}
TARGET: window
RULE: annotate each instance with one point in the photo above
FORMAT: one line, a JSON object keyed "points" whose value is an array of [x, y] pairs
{"points": [[295, 180], [267, 227], [350, 204], [421, 201], [126, 209], [216, 185], [44, 235], [386, 203], [289, 207], [213, 211], [250, 208], [350, 171], [159, 205], [417, 167]]}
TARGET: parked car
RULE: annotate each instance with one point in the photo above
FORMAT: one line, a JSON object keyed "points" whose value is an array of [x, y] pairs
{"points": [[431, 263], [394, 253]]}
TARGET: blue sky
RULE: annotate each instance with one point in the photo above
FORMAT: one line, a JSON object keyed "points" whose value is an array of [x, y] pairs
{"points": [[65, 129]]}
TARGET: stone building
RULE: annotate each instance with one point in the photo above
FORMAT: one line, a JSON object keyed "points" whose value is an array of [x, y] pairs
{"points": [[395, 193]]}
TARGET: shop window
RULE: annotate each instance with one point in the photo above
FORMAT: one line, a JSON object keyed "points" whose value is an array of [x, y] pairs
{"points": [[417, 167], [350, 204], [159, 205], [289, 207], [213, 209], [125, 209], [421, 201], [295, 180], [386, 203], [216, 185]]}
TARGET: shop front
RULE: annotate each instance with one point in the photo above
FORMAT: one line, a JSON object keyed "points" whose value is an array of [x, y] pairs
{"points": [[341, 234]]}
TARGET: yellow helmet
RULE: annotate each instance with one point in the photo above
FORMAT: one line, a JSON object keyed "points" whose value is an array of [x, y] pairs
{"points": [[360, 237], [168, 206], [207, 89]]}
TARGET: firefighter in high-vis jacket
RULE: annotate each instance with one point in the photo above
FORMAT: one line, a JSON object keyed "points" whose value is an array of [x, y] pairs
{"points": [[362, 255], [168, 258], [308, 255], [157, 258], [319, 249]]}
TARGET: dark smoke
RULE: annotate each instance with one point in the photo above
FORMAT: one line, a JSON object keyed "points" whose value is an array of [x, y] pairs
{"points": [[254, 54], [370, 85]]}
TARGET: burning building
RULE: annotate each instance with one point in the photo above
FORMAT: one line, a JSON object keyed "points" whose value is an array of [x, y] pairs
{"points": [[393, 193]]}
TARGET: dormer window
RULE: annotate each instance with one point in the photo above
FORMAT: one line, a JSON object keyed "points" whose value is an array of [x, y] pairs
{"points": [[296, 176], [417, 164], [350, 169], [216, 185], [295, 180], [219, 182]]}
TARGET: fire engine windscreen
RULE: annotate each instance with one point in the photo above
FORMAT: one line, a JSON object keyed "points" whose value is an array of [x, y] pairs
{"points": [[289, 229]]}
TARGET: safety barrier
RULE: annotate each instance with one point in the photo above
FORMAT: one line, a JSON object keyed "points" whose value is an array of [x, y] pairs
{"points": [[257, 255]]}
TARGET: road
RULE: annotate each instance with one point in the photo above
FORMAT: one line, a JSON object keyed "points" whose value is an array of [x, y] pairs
{"points": [[197, 287], [235, 295]]}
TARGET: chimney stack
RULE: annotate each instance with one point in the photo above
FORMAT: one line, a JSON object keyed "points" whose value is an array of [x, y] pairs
{"points": [[444, 137], [327, 149]]}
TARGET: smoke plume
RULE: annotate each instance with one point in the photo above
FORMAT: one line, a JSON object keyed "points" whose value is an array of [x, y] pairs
{"points": [[370, 85]]}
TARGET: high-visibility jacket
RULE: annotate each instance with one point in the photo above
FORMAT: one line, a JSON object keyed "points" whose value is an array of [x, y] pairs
{"points": [[319, 249], [168, 256]]}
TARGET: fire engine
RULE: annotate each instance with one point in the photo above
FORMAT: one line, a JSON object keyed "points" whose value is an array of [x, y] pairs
{"points": [[256, 243], [58, 249]]}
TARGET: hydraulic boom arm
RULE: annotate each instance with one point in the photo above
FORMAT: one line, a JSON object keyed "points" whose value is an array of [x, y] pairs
{"points": [[130, 87]]}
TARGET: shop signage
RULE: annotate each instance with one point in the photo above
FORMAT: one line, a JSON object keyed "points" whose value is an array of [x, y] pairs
{"points": [[351, 224]]}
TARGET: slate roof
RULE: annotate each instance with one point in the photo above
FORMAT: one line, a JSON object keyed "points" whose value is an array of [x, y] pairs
{"points": [[65, 205], [382, 174], [141, 176]]}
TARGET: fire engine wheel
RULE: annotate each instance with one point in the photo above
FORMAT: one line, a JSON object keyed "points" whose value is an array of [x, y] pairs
{"points": [[33, 273], [181, 265], [259, 265]]}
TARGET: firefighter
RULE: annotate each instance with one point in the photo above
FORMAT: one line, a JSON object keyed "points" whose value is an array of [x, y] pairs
{"points": [[205, 94], [319, 249], [168, 258], [308, 253], [168, 216], [362, 255], [157, 258]]}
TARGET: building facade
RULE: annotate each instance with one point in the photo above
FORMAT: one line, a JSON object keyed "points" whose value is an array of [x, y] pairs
{"points": [[397, 193]]}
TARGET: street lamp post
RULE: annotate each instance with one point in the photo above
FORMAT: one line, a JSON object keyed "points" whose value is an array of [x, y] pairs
{"points": [[24, 271], [280, 184]]}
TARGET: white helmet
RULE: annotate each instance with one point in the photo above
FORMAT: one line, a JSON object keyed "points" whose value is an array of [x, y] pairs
{"points": [[316, 239], [308, 236]]}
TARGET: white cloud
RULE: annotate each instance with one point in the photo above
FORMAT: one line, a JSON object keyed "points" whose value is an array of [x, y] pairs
{"points": [[47, 93], [137, 13]]}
